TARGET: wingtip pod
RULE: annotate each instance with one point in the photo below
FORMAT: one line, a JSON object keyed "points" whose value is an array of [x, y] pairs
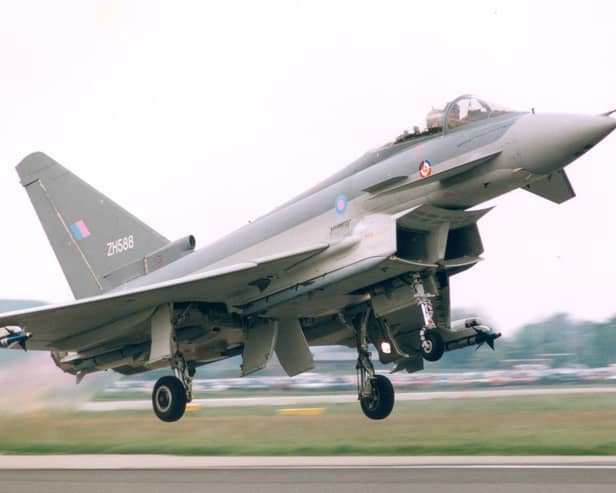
{"points": [[13, 338]]}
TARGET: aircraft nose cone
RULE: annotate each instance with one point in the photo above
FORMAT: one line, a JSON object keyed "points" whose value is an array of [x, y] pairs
{"points": [[591, 128], [551, 141]]}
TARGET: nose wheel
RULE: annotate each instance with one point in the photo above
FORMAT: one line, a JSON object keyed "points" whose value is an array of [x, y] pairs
{"points": [[432, 345]]}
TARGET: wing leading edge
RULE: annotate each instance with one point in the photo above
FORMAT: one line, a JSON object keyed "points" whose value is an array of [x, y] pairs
{"points": [[80, 320]]}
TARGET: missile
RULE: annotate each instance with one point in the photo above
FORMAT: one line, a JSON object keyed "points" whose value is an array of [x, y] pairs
{"points": [[483, 335], [14, 338], [465, 323], [488, 337]]}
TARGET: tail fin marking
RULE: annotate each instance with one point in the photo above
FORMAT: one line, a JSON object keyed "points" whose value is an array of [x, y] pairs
{"points": [[90, 234]]}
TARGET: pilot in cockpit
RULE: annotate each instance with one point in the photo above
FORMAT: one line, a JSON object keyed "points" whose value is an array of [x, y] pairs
{"points": [[434, 119], [453, 116]]}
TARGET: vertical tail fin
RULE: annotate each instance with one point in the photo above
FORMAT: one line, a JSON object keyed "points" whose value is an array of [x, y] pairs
{"points": [[91, 235]]}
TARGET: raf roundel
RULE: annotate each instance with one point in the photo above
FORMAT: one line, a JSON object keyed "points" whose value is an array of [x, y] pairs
{"points": [[341, 204], [425, 169]]}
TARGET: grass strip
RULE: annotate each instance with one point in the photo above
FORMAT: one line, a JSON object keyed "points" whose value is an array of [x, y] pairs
{"points": [[533, 425]]}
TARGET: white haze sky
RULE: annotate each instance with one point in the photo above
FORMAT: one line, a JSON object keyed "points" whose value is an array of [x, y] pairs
{"points": [[199, 116]]}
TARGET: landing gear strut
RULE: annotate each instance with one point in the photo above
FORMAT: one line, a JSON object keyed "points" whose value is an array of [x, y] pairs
{"points": [[375, 392], [432, 345], [171, 393]]}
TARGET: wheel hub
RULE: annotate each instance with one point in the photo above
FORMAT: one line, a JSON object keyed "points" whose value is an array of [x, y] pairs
{"points": [[374, 400], [427, 345], [163, 399]]}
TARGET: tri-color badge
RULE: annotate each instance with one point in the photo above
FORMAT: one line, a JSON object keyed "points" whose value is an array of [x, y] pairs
{"points": [[80, 230], [425, 169], [341, 204]]}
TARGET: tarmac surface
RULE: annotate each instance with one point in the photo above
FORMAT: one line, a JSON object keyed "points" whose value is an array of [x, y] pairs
{"points": [[136, 474]]}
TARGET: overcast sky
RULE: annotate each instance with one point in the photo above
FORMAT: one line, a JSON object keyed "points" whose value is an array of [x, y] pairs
{"points": [[199, 116]]}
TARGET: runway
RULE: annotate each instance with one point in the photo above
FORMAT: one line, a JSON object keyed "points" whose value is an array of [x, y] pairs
{"points": [[98, 406], [309, 474]]}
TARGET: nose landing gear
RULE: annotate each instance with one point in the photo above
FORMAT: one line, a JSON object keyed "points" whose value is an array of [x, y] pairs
{"points": [[432, 344]]}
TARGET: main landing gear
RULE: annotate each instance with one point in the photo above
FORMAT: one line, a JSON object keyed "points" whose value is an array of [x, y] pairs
{"points": [[375, 392], [172, 393]]}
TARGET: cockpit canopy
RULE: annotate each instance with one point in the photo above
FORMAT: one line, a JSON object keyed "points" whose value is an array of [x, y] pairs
{"points": [[469, 109], [461, 111]]}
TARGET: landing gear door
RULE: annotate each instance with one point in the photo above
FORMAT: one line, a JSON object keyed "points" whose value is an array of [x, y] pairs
{"points": [[260, 342], [162, 334], [292, 348]]}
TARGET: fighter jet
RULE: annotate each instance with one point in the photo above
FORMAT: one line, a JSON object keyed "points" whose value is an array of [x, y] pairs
{"points": [[362, 259]]}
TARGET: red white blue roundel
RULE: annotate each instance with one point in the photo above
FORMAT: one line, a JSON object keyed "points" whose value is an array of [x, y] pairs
{"points": [[341, 204], [425, 169]]}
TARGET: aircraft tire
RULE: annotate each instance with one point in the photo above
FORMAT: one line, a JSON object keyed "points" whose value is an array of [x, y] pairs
{"points": [[434, 347], [169, 399], [380, 404]]}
